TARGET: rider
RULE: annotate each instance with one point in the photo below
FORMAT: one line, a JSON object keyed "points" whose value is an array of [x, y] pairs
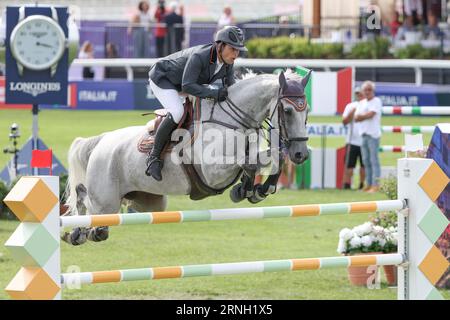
{"points": [[188, 71]]}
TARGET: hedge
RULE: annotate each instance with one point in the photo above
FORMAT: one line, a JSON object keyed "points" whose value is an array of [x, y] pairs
{"points": [[301, 48]]}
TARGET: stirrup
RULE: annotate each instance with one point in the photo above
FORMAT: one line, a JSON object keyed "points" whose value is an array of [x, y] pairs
{"points": [[152, 160]]}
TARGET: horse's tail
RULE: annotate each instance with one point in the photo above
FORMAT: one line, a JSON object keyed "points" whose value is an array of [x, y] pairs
{"points": [[78, 158]]}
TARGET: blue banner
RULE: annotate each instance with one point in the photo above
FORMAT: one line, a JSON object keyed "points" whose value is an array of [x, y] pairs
{"points": [[407, 95], [143, 96], [110, 95]]}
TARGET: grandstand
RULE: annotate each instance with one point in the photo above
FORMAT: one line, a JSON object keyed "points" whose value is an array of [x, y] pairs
{"points": [[117, 10]]}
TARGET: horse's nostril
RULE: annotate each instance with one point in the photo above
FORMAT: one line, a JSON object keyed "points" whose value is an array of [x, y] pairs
{"points": [[298, 155]]}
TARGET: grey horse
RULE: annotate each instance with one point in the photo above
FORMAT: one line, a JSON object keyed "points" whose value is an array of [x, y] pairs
{"points": [[107, 169]]}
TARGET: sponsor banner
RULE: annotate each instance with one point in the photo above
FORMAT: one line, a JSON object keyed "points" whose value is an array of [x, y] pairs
{"points": [[111, 95], [406, 95], [143, 96], [93, 95], [32, 86], [4, 105], [326, 129]]}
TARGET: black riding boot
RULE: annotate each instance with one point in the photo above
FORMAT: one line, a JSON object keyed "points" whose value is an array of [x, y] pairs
{"points": [[163, 134]]}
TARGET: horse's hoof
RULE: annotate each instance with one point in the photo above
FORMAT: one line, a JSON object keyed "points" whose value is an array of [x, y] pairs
{"points": [[76, 237], [236, 193], [98, 234], [258, 195]]}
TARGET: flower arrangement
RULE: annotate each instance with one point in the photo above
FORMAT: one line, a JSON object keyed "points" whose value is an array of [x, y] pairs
{"points": [[384, 219], [366, 238]]}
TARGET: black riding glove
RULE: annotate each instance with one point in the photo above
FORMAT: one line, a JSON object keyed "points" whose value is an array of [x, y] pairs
{"points": [[222, 94]]}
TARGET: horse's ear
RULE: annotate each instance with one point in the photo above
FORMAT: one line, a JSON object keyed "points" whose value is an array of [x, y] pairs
{"points": [[306, 79], [282, 81]]}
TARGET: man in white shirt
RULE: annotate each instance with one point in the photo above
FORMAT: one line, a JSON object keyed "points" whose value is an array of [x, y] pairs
{"points": [[353, 142], [368, 115]]}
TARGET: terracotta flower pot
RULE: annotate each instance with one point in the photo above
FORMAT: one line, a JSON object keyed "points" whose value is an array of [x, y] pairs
{"points": [[391, 275], [359, 276]]}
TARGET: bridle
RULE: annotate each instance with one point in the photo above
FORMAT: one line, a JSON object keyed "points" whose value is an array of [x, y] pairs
{"points": [[247, 122], [279, 107]]}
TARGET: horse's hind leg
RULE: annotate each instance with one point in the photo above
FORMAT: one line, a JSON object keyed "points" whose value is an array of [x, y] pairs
{"points": [[102, 199], [143, 201], [78, 235]]}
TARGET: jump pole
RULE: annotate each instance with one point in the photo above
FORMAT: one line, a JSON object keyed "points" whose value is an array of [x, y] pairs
{"points": [[420, 181], [407, 129], [416, 111]]}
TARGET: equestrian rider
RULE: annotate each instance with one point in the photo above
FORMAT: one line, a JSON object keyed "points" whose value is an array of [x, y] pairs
{"points": [[188, 71]]}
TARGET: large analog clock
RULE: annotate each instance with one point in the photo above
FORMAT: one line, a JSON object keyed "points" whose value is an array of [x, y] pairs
{"points": [[37, 43]]}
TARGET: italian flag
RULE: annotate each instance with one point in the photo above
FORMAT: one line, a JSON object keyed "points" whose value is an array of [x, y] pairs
{"points": [[323, 169], [328, 92]]}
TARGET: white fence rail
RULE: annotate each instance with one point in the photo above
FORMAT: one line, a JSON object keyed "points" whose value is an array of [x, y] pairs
{"points": [[416, 65]]}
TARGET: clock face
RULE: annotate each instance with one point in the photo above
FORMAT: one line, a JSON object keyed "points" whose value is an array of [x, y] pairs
{"points": [[37, 42]]}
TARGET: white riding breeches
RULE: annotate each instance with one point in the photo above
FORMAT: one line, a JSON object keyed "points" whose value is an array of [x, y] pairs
{"points": [[170, 100]]}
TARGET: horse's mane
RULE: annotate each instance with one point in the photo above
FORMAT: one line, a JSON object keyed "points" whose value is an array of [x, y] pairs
{"points": [[250, 74]]}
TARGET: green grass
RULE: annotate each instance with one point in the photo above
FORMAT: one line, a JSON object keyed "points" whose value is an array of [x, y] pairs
{"points": [[205, 242]]}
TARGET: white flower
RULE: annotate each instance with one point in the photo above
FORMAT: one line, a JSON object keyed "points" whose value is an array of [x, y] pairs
{"points": [[355, 242], [363, 229], [342, 247], [394, 238], [345, 234], [381, 241], [380, 232], [378, 229], [367, 241]]}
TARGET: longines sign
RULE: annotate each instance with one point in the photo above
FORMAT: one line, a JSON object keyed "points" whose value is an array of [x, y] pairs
{"points": [[35, 88], [36, 63]]}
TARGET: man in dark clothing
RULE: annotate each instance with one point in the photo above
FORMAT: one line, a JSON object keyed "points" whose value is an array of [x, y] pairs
{"points": [[188, 71], [175, 29], [160, 30]]}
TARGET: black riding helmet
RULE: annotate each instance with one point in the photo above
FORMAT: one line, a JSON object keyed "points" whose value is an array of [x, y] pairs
{"points": [[232, 36]]}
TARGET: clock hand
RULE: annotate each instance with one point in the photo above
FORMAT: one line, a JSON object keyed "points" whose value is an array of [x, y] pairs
{"points": [[43, 44]]}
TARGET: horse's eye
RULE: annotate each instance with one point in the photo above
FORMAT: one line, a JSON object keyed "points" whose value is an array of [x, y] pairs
{"points": [[288, 111]]}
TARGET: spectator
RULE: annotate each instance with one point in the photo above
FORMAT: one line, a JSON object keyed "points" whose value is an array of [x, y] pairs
{"points": [[283, 27], [139, 28], [413, 12], [354, 141], [87, 52], [395, 24], [433, 10], [175, 29], [184, 43], [368, 114], [160, 31], [111, 53], [226, 19]]}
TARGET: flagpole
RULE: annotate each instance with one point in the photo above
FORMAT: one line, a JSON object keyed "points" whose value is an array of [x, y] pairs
{"points": [[34, 137]]}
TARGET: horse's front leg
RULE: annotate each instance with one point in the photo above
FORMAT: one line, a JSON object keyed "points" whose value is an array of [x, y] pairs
{"points": [[261, 191], [244, 189]]}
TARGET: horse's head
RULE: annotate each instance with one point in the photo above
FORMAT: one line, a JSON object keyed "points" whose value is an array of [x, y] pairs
{"points": [[293, 115]]}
